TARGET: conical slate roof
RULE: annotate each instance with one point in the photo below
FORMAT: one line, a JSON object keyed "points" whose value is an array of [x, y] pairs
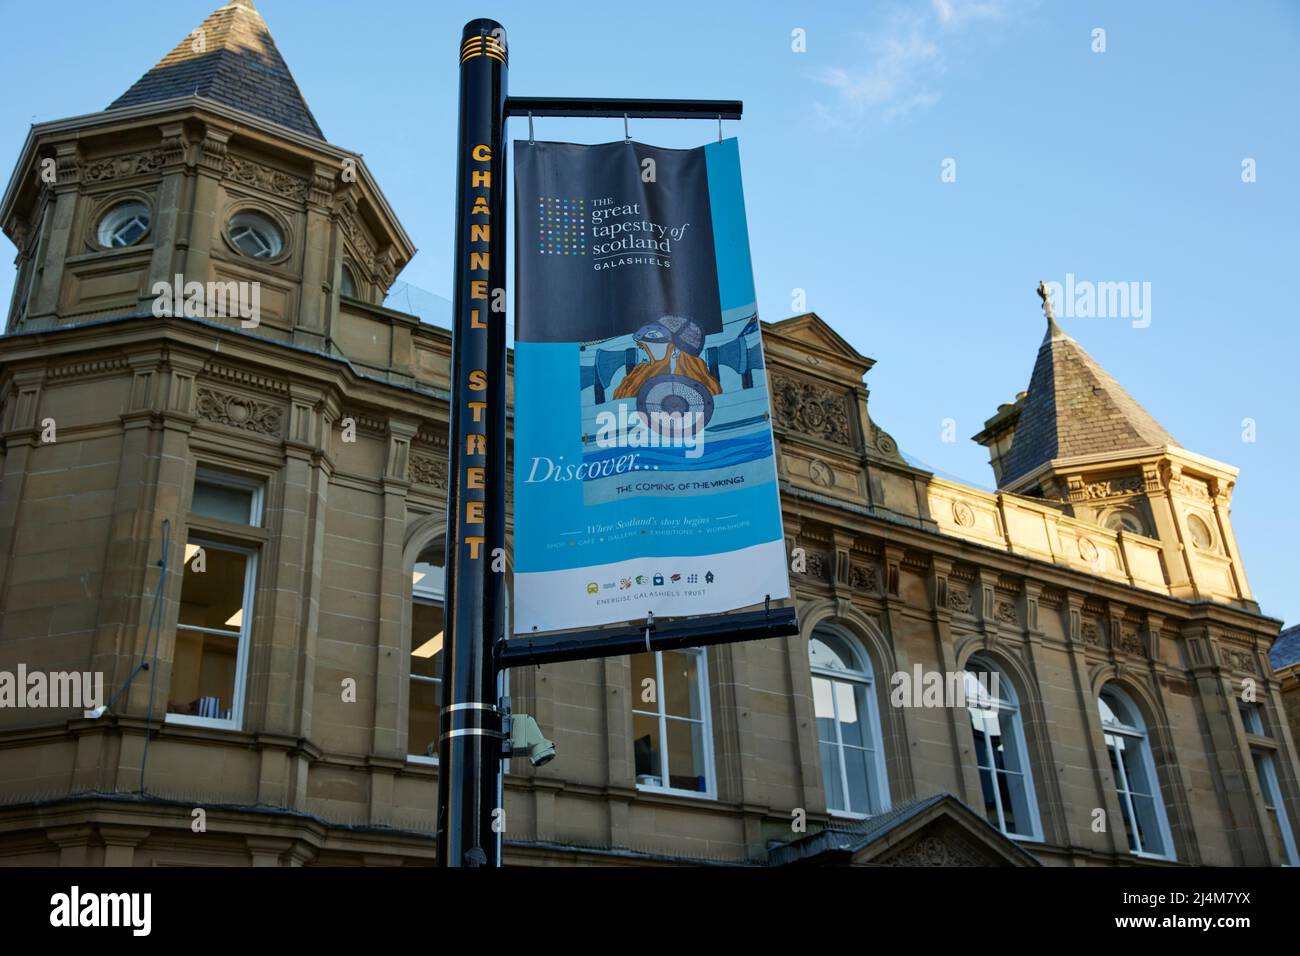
{"points": [[1073, 407], [232, 59]]}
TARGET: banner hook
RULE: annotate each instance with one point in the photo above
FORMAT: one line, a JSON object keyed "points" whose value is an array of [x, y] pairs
{"points": [[719, 127], [530, 128], [627, 137]]}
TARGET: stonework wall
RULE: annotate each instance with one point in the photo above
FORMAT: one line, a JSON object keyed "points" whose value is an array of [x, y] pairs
{"points": [[145, 405], [336, 407]]}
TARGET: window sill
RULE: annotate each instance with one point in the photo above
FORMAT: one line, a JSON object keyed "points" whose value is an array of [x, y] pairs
{"points": [[212, 723], [673, 792], [850, 815], [1153, 856], [422, 759]]}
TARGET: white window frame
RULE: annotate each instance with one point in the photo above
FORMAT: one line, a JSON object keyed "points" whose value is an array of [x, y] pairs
{"points": [[1136, 732], [236, 721], [210, 476], [1266, 769], [422, 593], [1007, 703], [1252, 720], [427, 594], [710, 791], [864, 675]]}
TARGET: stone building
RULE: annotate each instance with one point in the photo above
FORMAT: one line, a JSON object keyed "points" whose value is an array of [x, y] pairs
{"points": [[236, 518]]}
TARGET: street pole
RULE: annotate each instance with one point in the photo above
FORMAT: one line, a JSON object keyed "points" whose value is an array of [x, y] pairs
{"points": [[469, 748]]}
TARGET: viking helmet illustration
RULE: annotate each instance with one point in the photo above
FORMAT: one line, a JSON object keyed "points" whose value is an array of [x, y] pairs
{"points": [[677, 329]]}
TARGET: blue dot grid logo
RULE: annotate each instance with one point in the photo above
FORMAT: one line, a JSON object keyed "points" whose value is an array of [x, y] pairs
{"points": [[561, 226]]}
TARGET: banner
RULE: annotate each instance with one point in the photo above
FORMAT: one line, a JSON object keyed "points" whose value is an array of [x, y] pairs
{"points": [[645, 479]]}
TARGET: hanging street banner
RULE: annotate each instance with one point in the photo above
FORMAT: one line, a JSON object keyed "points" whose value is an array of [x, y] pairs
{"points": [[645, 479]]}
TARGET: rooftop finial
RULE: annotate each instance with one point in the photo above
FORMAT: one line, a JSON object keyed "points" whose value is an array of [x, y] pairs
{"points": [[1045, 294]]}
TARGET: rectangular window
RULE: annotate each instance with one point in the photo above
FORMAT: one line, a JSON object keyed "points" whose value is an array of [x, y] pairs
{"points": [[219, 579], [1279, 825], [227, 498], [672, 737], [1251, 718], [210, 661]]}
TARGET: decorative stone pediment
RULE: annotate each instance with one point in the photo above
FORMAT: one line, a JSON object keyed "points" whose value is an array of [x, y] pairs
{"points": [[934, 831], [821, 341]]}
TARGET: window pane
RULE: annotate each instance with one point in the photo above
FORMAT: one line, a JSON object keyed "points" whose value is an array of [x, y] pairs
{"points": [[1006, 752], [426, 640], [427, 580], [222, 502], [203, 675], [860, 771], [1148, 829], [852, 701], [986, 790], [832, 778], [681, 691], [424, 716], [824, 708], [1251, 718], [1135, 767], [832, 652], [686, 756], [214, 596], [1015, 805], [1263, 766], [977, 724], [645, 749], [645, 693]]}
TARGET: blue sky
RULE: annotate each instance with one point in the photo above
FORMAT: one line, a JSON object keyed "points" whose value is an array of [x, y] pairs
{"points": [[1117, 166]]}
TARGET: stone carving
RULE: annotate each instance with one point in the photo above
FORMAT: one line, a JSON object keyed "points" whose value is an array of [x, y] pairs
{"points": [[884, 443], [1238, 660], [1006, 613], [1130, 643], [1194, 488], [1091, 634], [265, 178], [818, 567], [235, 411], [812, 409], [821, 473], [1113, 487], [959, 599], [862, 577], [1088, 551], [429, 470], [932, 851], [963, 514], [118, 167]]}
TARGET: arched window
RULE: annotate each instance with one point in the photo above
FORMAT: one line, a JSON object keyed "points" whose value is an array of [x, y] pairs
{"points": [[348, 283], [424, 704], [1005, 776], [848, 725], [1136, 783]]}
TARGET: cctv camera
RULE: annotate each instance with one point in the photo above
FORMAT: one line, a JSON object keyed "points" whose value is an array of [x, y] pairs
{"points": [[526, 737]]}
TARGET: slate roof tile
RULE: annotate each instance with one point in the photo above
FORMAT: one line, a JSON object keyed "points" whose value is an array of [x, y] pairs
{"points": [[1073, 407], [230, 58]]}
